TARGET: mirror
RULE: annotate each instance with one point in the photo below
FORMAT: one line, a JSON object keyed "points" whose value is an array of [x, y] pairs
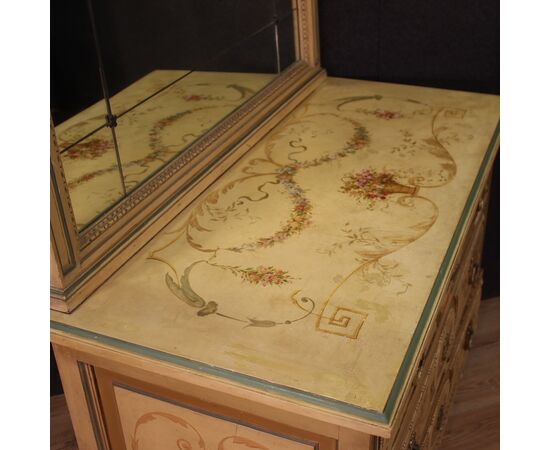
{"points": [[134, 84]]}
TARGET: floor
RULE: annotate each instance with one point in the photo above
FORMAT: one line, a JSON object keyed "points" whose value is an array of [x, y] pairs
{"points": [[474, 422]]}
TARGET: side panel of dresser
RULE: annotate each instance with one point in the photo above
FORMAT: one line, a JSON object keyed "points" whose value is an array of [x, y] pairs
{"points": [[92, 373], [143, 416], [421, 415]]}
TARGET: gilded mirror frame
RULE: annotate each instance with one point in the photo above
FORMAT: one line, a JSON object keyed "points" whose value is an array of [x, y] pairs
{"points": [[80, 261]]}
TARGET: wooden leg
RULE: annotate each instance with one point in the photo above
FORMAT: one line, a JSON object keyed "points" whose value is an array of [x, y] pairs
{"points": [[353, 440], [76, 399]]}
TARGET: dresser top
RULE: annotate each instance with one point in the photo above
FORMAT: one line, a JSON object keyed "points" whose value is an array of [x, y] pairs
{"points": [[310, 267]]}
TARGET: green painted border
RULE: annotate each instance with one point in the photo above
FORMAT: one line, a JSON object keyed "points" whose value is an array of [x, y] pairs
{"points": [[246, 380], [307, 397]]}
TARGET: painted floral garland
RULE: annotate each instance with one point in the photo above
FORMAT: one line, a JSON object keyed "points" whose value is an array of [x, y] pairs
{"points": [[266, 276], [301, 214], [92, 149], [97, 147]]}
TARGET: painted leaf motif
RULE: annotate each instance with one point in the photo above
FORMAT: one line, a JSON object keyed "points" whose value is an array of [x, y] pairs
{"points": [[184, 292], [241, 441], [261, 323], [210, 308], [243, 90], [184, 444], [195, 299], [346, 100]]}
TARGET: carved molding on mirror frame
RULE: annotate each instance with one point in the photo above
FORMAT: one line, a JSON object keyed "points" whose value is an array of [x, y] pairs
{"points": [[82, 260]]}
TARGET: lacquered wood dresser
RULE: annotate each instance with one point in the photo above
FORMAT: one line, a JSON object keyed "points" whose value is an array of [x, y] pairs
{"points": [[321, 294]]}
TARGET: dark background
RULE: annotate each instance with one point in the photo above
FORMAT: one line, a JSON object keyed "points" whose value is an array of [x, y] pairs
{"points": [[135, 37], [452, 44]]}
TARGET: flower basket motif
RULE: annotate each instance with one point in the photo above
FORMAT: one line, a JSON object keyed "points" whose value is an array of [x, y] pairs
{"points": [[371, 185]]}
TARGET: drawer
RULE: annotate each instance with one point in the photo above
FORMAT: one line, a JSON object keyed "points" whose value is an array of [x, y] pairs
{"points": [[441, 358], [140, 416], [467, 265], [438, 416], [465, 295], [451, 376], [424, 391], [467, 331]]}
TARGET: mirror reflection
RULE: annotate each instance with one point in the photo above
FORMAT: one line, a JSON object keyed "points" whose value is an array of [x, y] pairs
{"points": [[134, 83]]}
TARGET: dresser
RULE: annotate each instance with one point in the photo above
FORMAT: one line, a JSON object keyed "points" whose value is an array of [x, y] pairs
{"points": [[321, 293]]}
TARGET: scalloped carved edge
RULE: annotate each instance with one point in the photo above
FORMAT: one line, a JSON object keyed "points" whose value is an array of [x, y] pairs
{"points": [[304, 35]]}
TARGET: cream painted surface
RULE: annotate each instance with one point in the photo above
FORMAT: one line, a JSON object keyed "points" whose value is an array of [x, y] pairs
{"points": [[342, 273], [152, 424]]}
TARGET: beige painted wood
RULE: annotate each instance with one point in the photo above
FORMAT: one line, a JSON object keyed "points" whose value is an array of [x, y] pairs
{"points": [[55, 269], [475, 228], [155, 424], [123, 307], [110, 265], [137, 305], [420, 416], [352, 440], [473, 420], [63, 235], [108, 382], [76, 398], [474, 416], [306, 29], [215, 390]]}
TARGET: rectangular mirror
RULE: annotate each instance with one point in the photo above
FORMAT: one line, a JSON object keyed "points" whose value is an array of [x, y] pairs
{"points": [[135, 83], [150, 103]]}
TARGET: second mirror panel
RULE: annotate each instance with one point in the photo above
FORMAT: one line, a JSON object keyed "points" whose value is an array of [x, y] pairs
{"points": [[154, 132], [93, 176]]}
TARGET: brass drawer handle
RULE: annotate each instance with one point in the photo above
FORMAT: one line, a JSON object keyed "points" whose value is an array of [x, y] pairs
{"points": [[420, 367], [440, 418], [468, 338], [413, 445], [446, 352], [480, 210], [474, 272]]}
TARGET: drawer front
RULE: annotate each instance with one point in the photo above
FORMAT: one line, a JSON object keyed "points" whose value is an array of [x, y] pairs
{"points": [[443, 352], [141, 416], [467, 272], [467, 297], [425, 420], [438, 416], [451, 376], [416, 416]]}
